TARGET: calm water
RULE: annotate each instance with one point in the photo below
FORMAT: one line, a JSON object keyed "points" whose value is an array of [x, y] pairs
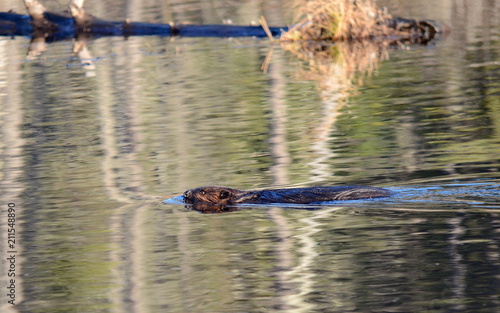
{"points": [[89, 151]]}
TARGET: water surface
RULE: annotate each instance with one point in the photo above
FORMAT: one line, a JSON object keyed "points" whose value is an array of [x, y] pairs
{"points": [[89, 151]]}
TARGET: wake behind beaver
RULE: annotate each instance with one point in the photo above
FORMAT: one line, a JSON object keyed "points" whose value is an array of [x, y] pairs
{"points": [[219, 197]]}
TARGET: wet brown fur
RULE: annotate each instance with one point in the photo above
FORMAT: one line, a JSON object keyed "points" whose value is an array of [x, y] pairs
{"points": [[218, 197]]}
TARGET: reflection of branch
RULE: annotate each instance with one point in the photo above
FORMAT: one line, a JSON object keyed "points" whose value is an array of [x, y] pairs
{"points": [[121, 168], [338, 68], [338, 64], [277, 136], [110, 150], [80, 49], [37, 47], [281, 160], [284, 250], [138, 258], [122, 181], [459, 270], [121, 222], [302, 276], [12, 165], [331, 106]]}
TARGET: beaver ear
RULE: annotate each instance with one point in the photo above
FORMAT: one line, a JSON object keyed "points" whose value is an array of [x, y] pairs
{"points": [[224, 194]]}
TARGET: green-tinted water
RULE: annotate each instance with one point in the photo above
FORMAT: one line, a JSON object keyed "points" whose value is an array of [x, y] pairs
{"points": [[87, 153]]}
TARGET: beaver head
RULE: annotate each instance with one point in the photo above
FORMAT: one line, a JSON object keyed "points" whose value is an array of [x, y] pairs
{"points": [[212, 195]]}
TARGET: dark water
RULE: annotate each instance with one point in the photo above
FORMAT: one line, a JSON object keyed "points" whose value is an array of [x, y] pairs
{"points": [[89, 151]]}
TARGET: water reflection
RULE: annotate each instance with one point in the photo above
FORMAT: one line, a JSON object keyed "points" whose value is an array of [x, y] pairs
{"points": [[357, 256]]}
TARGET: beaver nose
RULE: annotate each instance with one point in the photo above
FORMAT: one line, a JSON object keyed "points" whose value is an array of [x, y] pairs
{"points": [[187, 195]]}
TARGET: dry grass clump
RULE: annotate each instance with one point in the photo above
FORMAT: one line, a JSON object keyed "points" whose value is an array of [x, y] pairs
{"points": [[333, 39], [338, 20]]}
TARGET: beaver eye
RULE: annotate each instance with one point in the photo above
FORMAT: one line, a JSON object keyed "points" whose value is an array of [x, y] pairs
{"points": [[224, 194]]}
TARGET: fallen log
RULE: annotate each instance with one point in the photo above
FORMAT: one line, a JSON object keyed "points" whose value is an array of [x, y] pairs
{"points": [[58, 26], [64, 26]]}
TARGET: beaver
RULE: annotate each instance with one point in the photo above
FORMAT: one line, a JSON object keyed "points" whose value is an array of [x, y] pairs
{"points": [[218, 198]]}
